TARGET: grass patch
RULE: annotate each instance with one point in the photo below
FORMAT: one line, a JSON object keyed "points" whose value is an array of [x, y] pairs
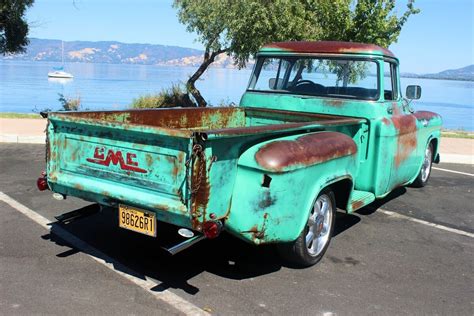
{"points": [[457, 134], [12, 115], [174, 96]]}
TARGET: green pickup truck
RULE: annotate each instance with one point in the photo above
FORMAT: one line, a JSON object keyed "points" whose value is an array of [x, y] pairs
{"points": [[322, 125]]}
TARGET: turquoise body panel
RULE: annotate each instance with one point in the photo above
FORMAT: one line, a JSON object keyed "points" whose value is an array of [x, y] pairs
{"points": [[257, 168]]}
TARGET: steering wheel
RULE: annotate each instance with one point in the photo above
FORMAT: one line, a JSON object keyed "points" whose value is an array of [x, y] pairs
{"points": [[309, 82], [305, 82]]}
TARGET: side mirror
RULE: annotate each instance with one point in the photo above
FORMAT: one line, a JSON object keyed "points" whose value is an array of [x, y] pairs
{"points": [[413, 92]]}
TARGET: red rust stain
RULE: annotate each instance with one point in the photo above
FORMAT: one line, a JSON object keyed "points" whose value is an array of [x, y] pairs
{"points": [[149, 160], [386, 121], [227, 213], [256, 234], [175, 170], [79, 186], [305, 150], [407, 140], [279, 127], [106, 193], [335, 103], [162, 207], [330, 47], [425, 115], [200, 198]]}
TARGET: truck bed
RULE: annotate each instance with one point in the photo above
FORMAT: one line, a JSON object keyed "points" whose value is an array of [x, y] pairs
{"points": [[147, 158], [223, 121]]}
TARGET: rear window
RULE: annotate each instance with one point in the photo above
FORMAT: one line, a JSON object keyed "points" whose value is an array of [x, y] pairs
{"points": [[327, 77]]}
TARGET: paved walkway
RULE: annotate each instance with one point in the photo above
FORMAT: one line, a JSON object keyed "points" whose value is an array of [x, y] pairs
{"points": [[453, 150]]}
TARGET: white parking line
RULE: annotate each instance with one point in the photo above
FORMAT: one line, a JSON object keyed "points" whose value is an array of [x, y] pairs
{"points": [[166, 296], [420, 221], [453, 171]]}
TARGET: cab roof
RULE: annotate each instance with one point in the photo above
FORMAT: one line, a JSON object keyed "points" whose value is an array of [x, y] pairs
{"points": [[326, 47]]}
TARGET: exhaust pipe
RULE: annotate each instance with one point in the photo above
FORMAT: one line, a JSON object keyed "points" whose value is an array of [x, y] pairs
{"points": [[185, 244]]}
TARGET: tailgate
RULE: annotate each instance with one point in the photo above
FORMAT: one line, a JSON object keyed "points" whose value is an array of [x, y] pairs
{"points": [[113, 163]]}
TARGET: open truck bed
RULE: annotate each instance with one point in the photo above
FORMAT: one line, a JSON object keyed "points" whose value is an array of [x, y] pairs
{"points": [[177, 163]]}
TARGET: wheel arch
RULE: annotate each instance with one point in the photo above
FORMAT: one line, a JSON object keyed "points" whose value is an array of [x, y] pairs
{"points": [[342, 191]]}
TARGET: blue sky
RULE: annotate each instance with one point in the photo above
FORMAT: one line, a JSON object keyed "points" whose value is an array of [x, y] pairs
{"points": [[440, 37]]}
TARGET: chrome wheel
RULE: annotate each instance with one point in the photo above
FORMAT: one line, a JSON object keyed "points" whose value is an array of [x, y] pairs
{"points": [[426, 167], [319, 225]]}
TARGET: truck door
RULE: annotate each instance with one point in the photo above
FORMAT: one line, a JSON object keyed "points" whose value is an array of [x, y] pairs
{"points": [[406, 160]]}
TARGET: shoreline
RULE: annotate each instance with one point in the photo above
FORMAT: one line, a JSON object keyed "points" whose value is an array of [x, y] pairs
{"points": [[456, 147], [445, 133], [227, 66]]}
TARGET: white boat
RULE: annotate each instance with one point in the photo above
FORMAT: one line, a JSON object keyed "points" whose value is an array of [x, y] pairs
{"points": [[60, 74], [59, 71]]}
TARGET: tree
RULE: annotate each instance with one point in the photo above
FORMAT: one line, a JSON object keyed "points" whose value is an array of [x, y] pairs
{"points": [[240, 28], [368, 21], [13, 26]]}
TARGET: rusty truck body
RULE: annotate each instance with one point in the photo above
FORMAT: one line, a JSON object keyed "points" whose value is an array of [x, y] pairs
{"points": [[322, 125]]}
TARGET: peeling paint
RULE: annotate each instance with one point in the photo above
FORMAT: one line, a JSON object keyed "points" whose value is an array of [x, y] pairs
{"points": [[306, 150]]}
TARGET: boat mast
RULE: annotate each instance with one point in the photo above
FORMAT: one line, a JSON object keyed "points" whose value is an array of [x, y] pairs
{"points": [[62, 53]]}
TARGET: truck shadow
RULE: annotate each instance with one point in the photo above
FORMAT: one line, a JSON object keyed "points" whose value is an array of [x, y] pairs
{"points": [[141, 256]]}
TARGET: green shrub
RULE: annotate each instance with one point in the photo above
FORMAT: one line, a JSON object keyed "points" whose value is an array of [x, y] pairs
{"points": [[69, 104], [175, 96]]}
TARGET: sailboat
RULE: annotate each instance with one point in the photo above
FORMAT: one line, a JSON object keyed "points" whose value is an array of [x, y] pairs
{"points": [[59, 71]]}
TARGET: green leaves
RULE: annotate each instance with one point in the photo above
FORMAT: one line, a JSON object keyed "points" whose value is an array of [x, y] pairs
{"points": [[240, 28], [13, 27]]}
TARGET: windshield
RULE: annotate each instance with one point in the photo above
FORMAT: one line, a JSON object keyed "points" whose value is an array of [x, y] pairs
{"points": [[327, 77]]}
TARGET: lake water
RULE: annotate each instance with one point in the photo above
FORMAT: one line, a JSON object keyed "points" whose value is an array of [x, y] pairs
{"points": [[24, 86]]}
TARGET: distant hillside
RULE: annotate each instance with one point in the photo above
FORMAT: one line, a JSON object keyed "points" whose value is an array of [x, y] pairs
{"points": [[148, 54], [465, 73], [102, 52]]}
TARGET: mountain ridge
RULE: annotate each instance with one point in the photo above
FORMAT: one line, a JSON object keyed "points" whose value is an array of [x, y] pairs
{"points": [[115, 52]]}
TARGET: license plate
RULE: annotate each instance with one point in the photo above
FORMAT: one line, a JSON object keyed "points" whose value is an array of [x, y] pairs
{"points": [[138, 220]]}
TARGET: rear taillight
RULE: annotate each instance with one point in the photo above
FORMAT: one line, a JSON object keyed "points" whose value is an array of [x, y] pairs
{"points": [[42, 184], [212, 229]]}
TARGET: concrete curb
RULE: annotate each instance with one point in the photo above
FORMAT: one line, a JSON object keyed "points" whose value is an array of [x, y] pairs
{"points": [[8, 138], [23, 139], [456, 158]]}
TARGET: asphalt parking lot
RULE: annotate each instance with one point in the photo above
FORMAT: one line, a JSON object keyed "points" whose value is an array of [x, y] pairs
{"points": [[419, 262]]}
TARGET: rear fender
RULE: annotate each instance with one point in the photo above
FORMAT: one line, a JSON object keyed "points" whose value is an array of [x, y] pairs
{"points": [[298, 151], [272, 204]]}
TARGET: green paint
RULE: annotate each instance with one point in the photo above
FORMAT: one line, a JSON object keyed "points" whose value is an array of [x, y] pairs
{"points": [[151, 170]]}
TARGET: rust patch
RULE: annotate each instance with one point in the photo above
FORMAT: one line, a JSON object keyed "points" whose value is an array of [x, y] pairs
{"points": [[79, 186], [386, 121], [200, 198], [335, 102], [425, 115], [149, 160], [256, 233], [282, 127], [407, 140], [306, 150], [330, 47], [227, 213], [106, 193], [162, 207]]}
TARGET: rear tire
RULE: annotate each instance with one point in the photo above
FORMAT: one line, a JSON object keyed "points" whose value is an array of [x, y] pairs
{"points": [[425, 172], [313, 241]]}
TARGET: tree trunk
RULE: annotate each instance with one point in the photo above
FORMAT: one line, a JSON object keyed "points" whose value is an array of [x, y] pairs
{"points": [[190, 85]]}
